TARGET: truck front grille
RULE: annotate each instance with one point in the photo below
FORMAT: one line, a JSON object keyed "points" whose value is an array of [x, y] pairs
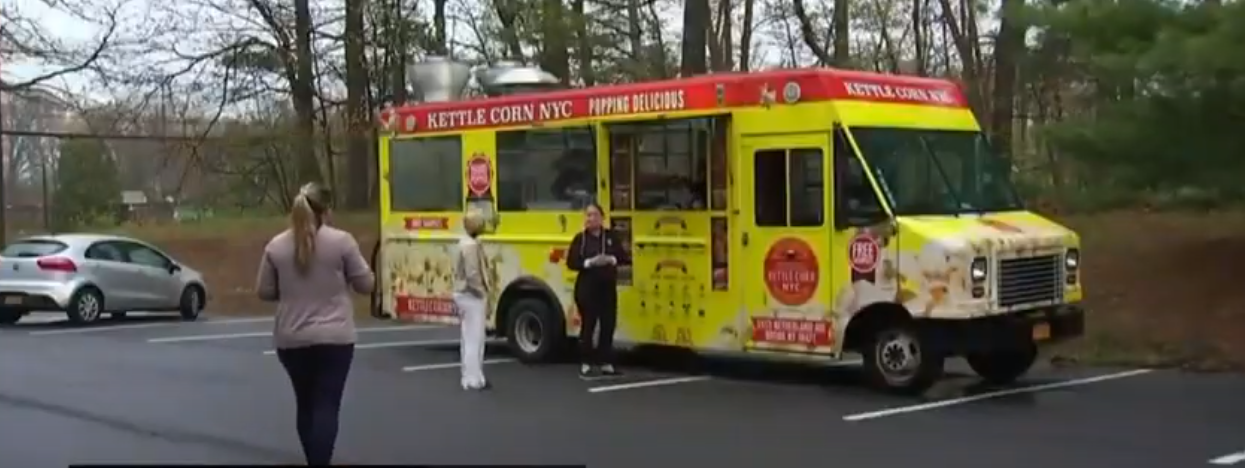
{"points": [[1030, 280]]}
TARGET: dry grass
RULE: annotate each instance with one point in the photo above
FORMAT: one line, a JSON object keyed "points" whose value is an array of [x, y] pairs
{"points": [[1161, 286]]}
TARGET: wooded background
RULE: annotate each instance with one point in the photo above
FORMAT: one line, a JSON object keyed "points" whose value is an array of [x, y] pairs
{"points": [[1099, 103]]}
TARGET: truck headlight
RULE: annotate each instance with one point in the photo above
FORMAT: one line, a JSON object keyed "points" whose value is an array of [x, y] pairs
{"points": [[977, 271], [1072, 260]]}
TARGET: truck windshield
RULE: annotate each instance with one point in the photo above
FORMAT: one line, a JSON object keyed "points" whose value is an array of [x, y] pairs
{"points": [[931, 172]]}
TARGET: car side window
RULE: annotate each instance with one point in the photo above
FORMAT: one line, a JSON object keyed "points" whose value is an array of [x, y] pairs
{"points": [[106, 251], [145, 256]]}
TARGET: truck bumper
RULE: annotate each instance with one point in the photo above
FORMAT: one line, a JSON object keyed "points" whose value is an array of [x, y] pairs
{"points": [[1042, 326]]}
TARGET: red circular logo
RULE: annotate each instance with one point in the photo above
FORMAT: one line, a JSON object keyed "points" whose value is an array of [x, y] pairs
{"points": [[479, 174], [791, 271], [863, 253]]}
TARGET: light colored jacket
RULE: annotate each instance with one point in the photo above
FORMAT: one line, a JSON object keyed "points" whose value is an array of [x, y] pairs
{"points": [[471, 273], [314, 308]]}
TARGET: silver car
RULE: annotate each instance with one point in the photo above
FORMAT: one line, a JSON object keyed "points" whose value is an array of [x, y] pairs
{"points": [[88, 275]]}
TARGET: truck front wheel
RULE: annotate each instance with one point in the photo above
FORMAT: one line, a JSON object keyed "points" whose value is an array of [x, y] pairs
{"points": [[1004, 366], [900, 360]]}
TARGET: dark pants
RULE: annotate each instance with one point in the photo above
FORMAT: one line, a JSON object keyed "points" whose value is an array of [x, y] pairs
{"points": [[597, 307], [319, 377]]}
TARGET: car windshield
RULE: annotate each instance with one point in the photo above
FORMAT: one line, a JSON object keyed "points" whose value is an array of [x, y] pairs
{"points": [[930, 172]]}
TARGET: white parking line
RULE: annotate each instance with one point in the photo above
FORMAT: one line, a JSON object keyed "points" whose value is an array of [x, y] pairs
{"points": [[1229, 459], [649, 383], [135, 326], [228, 336], [995, 394], [453, 365], [389, 344]]}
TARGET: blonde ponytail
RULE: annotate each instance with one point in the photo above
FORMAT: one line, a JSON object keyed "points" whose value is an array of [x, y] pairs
{"points": [[303, 225], [308, 212]]}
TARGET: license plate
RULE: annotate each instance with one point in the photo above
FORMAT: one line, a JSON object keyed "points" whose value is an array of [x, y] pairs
{"points": [[1041, 332], [13, 300]]}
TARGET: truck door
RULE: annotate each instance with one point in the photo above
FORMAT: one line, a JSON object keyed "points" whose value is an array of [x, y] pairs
{"points": [[785, 235]]}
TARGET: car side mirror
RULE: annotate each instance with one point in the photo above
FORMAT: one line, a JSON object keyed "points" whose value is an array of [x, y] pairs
{"points": [[174, 268]]}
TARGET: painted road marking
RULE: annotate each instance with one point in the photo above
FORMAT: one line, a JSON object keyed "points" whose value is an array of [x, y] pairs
{"points": [[1229, 459], [995, 394], [228, 336], [135, 326], [453, 365], [389, 344], [649, 383]]}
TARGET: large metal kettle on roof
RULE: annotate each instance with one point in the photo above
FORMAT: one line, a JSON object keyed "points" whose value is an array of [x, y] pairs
{"points": [[438, 79], [509, 77]]}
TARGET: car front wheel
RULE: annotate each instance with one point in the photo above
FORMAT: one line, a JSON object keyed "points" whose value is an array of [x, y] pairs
{"points": [[191, 303], [86, 306]]}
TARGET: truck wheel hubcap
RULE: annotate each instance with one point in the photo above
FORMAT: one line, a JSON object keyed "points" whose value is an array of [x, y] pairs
{"points": [[898, 356], [528, 332]]}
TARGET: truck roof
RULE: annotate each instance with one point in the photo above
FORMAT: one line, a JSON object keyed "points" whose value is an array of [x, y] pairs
{"points": [[705, 92]]}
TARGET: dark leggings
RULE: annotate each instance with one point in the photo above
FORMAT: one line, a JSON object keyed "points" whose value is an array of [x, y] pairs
{"points": [[319, 377], [599, 307]]}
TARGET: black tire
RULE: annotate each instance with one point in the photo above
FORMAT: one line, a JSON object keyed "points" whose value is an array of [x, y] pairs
{"points": [[885, 364], [191, 303], [86, 306], [377, 297], [10, 317], [532, 315], [1003, 367]]}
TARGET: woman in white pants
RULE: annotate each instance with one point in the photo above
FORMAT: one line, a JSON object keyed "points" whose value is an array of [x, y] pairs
{"points": [[471, 296]]}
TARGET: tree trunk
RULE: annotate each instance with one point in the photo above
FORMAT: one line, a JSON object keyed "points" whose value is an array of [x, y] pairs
{"points": [[809, 36], [508, 15], [584, 52], [358, 165], [695, 34], [965, 47], [1007, 46], [745, 38], [441, 43], [554, 55], [918, 35], [397, 47], [302, 91], [635, 40], [842, 34]]}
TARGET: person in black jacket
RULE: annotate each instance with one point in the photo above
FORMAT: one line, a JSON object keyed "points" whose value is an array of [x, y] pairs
{"points": [[596, 253]]}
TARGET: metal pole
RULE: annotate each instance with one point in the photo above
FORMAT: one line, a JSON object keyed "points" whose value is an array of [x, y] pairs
{"points": [[4, 162]]}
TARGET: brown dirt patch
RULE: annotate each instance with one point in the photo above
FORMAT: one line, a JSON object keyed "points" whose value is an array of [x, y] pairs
{"points": [[1162, 288]]}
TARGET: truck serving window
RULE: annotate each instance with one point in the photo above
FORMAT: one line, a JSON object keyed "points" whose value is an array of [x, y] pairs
{"points": [[546, 170], [663, 165], [937, 171], [790, 189], [426, 174]]}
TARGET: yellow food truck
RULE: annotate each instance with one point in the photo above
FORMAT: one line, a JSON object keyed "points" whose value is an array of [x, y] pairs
{"points": [[807, 214]]}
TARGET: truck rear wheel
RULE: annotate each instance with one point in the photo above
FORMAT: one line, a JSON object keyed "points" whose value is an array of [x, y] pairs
{"points": [[899, 360], [535, 331], [1004, 366]]}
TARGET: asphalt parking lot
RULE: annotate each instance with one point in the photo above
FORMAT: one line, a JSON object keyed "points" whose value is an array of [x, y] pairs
{"points": [[158, 390]]}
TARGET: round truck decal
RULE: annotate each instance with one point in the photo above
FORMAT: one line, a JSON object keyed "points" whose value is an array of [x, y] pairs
{"points": [[791, 271], [479, 174], [863, 253]]}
